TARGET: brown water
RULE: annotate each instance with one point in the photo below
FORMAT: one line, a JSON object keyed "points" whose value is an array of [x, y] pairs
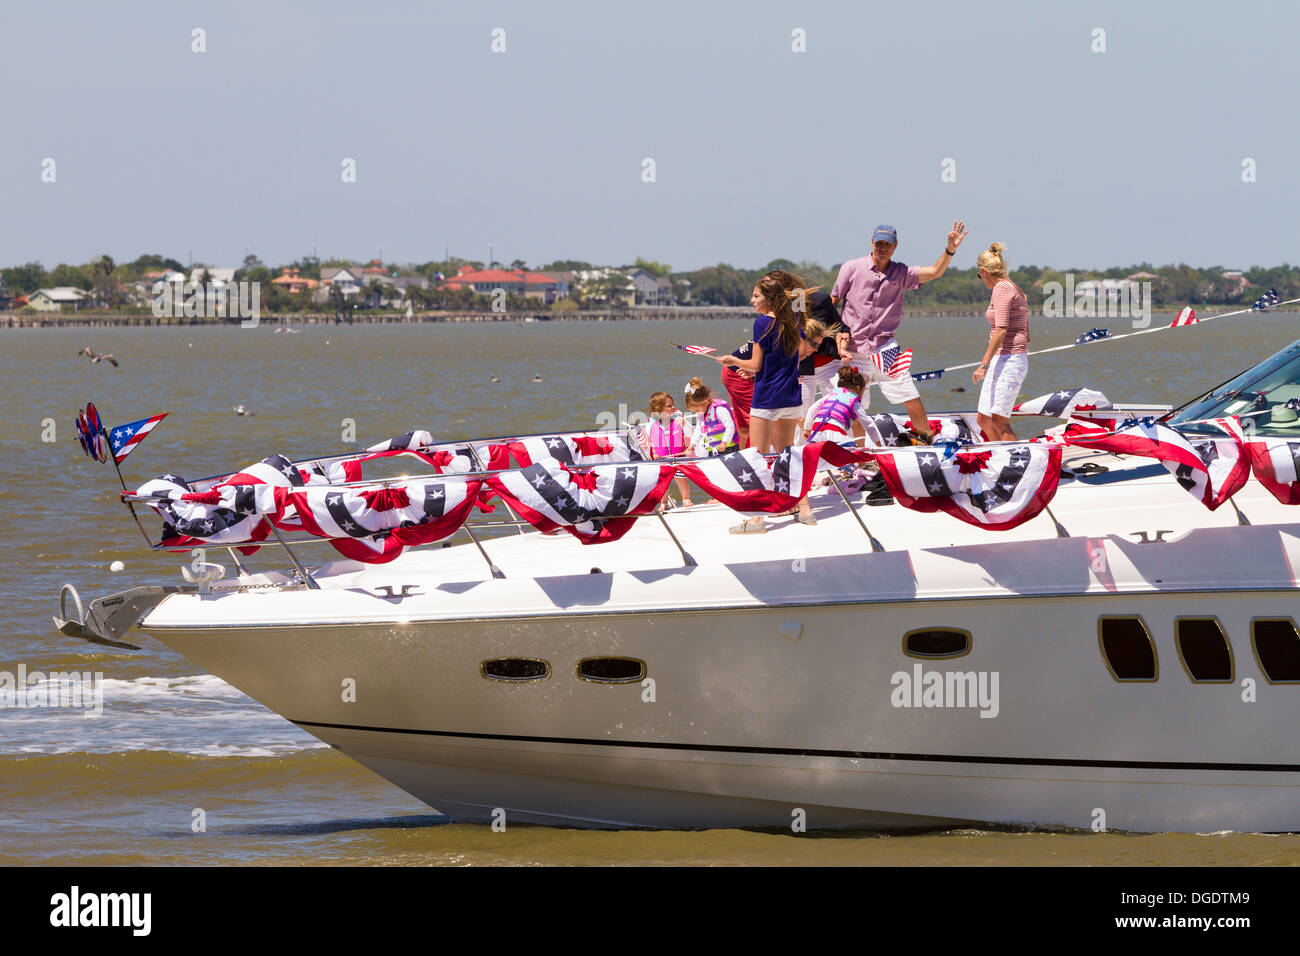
{"points": [[124, 788]]}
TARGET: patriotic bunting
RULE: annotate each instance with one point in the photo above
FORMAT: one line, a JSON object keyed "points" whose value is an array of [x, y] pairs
{"points": [[1212, 469], [745, 480], [188, 522], [575, 451], [961, 428], [999, 488], [1276, 464], [594, 505], [1064, 403], [374, 525]]}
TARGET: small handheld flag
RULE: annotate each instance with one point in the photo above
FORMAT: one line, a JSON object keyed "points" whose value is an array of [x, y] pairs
{"points": [[694, 349], [927, 376], [891, 361], [1092, 335], [1185, 317], [125, 438]]}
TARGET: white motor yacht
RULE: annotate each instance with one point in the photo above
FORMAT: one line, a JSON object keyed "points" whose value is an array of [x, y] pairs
{"points": [[1126, 658]]}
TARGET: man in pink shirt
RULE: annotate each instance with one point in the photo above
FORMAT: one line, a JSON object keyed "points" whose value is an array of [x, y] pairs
{"points": [[869, 292]]}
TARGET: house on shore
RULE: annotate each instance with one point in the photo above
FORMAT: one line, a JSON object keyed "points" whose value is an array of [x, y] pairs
{"points": [[535, 285], [53, 300]]}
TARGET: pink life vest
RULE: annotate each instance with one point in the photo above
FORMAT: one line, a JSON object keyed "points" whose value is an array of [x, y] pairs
{"points": [[836, 412], [713, 431], [667, 439]]}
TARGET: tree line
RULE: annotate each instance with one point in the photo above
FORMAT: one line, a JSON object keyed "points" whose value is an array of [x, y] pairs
{"points": [[108, 283]]}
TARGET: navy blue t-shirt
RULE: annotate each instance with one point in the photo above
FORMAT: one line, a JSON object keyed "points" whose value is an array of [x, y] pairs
{"points": [[777, 383]]}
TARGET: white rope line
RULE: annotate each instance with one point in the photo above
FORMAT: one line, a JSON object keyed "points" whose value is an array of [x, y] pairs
{"points": [[1124, 335]]}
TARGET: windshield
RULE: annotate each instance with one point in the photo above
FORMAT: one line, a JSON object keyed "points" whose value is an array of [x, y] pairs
{"points": [[1265, 397]]}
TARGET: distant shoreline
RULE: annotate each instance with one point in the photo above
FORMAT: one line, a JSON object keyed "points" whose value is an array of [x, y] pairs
{"points": [[110, 320]]}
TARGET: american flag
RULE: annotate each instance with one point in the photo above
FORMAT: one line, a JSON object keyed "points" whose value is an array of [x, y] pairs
{"points": [[694, 349], [891, 361], [1266, 301], [1185, 317], [998, 488], [1276, 464], [927, 376], [745, 480], [1212, 469], [124, 438], [1064, 403], [1092, 335], [593, 504]]}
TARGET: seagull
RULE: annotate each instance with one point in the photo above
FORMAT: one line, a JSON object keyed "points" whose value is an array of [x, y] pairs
{"points": [[241, 410], [494, 379], [96, 357], [537, 378], [959, 389]]}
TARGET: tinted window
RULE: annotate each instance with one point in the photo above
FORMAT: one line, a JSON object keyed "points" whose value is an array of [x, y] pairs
{"points": [[1128, 648], [1204, 649]]}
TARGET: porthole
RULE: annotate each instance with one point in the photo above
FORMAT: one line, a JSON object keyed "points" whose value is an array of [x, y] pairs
{"points": [[932, 643], [516, 670], [1204, 650], [611, 670], [1127, 649], [1277, 648]]}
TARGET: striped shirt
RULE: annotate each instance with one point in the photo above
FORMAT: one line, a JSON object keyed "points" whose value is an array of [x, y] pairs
{"points": [[1009, 310]]}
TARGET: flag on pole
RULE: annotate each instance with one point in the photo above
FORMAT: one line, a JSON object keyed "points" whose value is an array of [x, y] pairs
{"points": [[1266, 301], [1092, 335], [1185, 317], [927, 376], [694, 349], [125, 438]]}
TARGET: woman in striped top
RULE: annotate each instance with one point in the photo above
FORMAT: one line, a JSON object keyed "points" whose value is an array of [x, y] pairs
{"points": [[1005, 362]]}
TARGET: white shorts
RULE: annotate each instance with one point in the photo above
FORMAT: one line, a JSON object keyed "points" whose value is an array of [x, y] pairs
{"points": [[1002, 384], [775, 414], [897, 391]]}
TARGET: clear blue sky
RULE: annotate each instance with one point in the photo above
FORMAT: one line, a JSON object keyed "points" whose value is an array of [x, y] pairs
{"points": [[1071, 157]]}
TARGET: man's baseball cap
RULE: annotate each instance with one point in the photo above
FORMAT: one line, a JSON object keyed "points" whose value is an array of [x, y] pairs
{"points": [[886, 233]]}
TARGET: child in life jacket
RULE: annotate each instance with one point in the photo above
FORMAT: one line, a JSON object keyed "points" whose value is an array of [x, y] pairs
{"points": [[716, 432], [832, 418], [668, 437]]}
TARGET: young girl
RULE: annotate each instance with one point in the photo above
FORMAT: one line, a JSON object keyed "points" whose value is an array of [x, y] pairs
{"points": [[831, 418], [667, 437], [716, 433]]}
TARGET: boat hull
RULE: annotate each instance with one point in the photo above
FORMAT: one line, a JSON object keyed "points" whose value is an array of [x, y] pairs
{"points": [[798, 715]]}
